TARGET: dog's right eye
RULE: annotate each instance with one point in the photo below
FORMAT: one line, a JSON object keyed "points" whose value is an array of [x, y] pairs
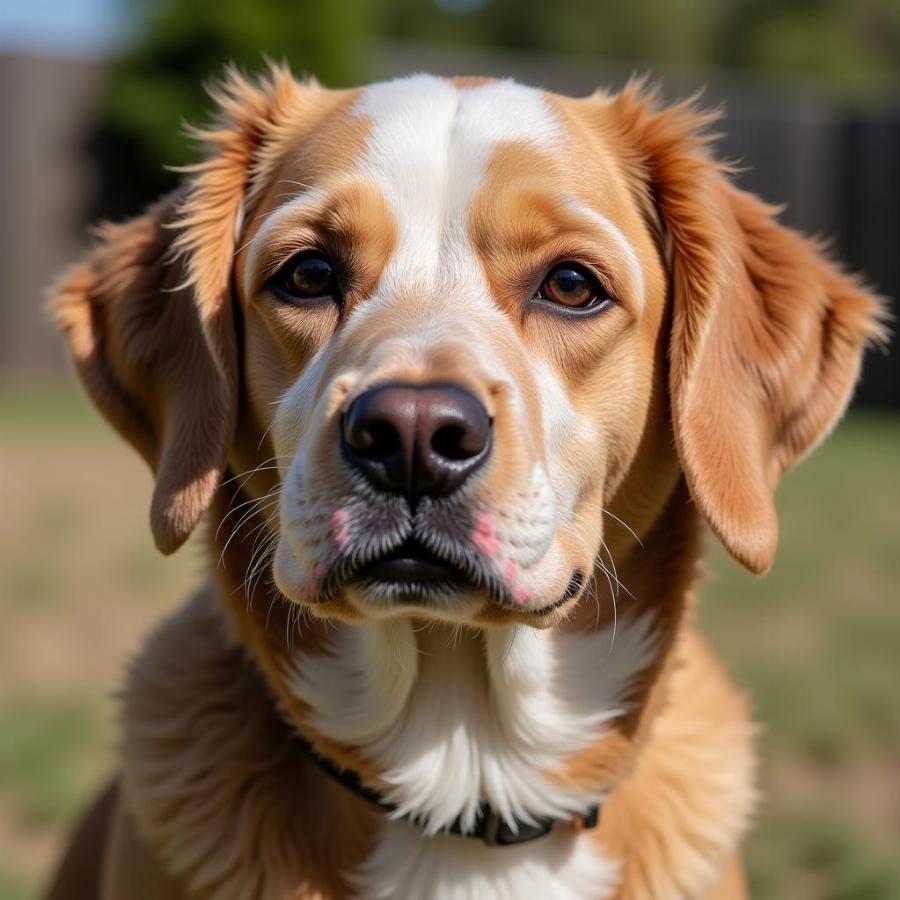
{"points": [[306, 276]]}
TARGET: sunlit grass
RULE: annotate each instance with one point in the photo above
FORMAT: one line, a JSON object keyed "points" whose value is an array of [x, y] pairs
{"points": [[13, 886], [48, 410], [49, 756], [817, 638], [819, 854]]}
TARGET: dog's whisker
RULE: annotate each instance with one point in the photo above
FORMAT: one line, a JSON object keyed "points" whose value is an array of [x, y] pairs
{"points": [[233, 534], [265, 502], [586, 545], [597, 507], [624, 524], [238, 506], [272, 602], [264, 466], [307, 187], [604, 547], [615, 605], [258, 565], [595, 595], [261, 535], [611, 576], [259, 551], [265, 434]]}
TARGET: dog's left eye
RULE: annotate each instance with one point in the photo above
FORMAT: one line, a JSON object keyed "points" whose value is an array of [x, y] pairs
{"points": [[307, 276], [574, 287]]}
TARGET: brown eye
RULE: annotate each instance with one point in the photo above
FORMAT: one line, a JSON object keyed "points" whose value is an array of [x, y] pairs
{"points": [[572, 286], [308, 276]]}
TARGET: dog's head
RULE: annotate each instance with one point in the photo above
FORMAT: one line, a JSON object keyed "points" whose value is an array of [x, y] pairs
{"points": [[450, 328]]}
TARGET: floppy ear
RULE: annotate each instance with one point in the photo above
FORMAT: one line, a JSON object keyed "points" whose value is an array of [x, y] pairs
{"points": [[149, 316], [135, 334], [767, 334]]}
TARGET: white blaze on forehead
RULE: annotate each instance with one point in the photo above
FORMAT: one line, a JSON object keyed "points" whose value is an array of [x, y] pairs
{"points": [[428, 150]]}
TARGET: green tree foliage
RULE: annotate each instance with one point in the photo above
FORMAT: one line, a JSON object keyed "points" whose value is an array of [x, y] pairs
{"points": [[850, 46], [181, 45]]}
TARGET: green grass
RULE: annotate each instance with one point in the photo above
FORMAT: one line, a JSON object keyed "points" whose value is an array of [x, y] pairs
{"points": [[13, 886], [819, 855], [36, 410], [49, 753], [52, 753]]}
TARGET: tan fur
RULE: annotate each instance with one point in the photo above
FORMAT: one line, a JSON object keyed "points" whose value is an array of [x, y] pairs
{"points": [[141, 352], [732, 350], [680, 804]]}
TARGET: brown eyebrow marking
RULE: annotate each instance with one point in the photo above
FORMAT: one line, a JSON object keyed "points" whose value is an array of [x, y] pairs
{"points": [[350, 220]]}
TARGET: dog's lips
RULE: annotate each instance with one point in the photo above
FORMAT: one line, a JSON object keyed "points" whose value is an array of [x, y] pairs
{"points": [[411, 563], [572, 592], [423, 562]]}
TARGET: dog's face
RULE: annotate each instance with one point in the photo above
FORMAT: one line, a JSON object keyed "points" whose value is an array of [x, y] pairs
{"points": [[473, 319], [453, 332]]}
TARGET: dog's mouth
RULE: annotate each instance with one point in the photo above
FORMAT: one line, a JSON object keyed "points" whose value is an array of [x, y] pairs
{"points": [[412, 573], [412, 564]]}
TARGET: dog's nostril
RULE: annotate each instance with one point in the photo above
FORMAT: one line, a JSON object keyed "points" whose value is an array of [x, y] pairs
{"points": [[450, 443], [379, 440]]}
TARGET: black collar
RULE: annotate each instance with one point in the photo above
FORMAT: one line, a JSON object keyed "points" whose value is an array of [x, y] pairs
{"points": [[489, 826]]}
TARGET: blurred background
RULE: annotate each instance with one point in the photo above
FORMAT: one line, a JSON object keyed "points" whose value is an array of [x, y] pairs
{"points": [[92, 97]]}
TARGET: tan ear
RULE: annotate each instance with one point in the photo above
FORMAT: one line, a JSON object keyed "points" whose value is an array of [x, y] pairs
{"points": [[136, 338], [767, 334], [149, 315]]}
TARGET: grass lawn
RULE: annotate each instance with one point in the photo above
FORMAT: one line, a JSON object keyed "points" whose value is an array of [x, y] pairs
{"points": [[816, 643]]}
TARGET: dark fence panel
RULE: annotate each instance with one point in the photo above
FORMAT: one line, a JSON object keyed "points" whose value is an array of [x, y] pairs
{"points": [[869, 230]]}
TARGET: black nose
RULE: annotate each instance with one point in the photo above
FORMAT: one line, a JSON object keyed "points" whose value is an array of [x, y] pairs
{"points": [[416, 439]]}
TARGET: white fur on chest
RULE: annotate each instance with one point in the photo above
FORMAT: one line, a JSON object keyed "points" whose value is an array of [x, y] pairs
{"points": [[455, 718]]}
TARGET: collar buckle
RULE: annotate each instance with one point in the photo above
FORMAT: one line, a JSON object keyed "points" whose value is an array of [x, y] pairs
{"points": [[494, 832], [491, 828]]}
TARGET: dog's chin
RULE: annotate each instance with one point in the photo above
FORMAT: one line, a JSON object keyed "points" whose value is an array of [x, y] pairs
{"points": [[433, 600], [470, 607], [358, 603], [399, 586]]}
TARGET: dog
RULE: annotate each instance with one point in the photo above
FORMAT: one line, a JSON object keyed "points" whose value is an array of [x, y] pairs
{"points": [[455, 370]]}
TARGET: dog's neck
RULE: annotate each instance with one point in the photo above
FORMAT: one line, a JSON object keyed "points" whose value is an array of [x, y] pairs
{"points": [[455, 719]]}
